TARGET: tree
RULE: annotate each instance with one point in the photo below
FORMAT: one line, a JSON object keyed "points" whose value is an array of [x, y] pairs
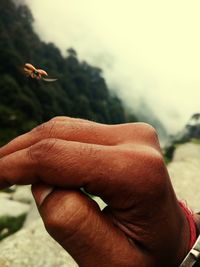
{"points": [[80, 91]]}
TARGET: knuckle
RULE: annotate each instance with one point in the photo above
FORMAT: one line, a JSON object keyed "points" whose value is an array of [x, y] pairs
{"points": [[148, 129], [143, 160], [42, 149], [156, 159], [68, 119], [156, 170], [142, 154], [144, 169], [148, 133], [139, 131], [88, 149], [40, 128], [123, 161], [59, 118], [46, 129], [73, 127]]}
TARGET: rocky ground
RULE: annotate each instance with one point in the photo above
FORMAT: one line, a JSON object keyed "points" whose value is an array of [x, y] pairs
{"points": [[184, 171], [33, 247]]}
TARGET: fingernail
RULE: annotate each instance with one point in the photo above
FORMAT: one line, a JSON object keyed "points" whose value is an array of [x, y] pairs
{"points": [[41, 192], [46, 192]]}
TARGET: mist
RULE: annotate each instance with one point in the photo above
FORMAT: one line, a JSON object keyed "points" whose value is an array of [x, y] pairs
{"points": [[148, 50]]}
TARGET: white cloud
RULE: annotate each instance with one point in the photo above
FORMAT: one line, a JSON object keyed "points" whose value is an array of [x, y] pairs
{"points": [[147, 49]]}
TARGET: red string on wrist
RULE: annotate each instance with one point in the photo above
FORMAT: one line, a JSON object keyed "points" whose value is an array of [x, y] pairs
{"points": [[190, 218]]}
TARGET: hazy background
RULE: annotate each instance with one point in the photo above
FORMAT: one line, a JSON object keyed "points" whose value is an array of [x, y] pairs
{"points": [[148, 50]]}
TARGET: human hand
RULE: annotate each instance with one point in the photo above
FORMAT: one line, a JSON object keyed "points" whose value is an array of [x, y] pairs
{"points": [[142, 225]]}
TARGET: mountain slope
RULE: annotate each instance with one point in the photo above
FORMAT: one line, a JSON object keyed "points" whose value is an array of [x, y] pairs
{"points": [[80, 91]]}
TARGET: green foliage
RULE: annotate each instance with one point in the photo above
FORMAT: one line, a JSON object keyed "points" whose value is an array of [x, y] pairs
{"points": [[10, 225], [195, 141], [80, 91], [168, 153], [177, 140], [8, 190]]}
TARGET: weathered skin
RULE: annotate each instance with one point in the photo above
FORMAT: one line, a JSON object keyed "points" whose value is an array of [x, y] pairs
{"points": [[142, 225]]}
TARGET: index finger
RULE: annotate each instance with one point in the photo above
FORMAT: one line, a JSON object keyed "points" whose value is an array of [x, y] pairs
{"points": [[111, 172], [84, 131]]}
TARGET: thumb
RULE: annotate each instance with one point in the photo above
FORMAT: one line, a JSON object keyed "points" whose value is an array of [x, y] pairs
{"points": [[76, 222]]}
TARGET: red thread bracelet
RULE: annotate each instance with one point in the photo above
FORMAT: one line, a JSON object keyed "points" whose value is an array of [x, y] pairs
{"points": [[190, 218]]}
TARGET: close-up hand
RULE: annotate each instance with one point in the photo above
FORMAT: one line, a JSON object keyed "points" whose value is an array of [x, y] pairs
{"points": [[142, 225]]}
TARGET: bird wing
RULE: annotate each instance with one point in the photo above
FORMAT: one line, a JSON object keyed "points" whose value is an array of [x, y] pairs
{"points": [[29, 66], [49, 79], [42, 72]]}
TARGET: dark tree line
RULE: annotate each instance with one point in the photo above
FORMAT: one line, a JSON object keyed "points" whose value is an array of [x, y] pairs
{"points": [[80, 91]]}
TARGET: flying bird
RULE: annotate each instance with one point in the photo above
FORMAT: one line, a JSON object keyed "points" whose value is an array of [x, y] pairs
{"points": [[38, 74]]}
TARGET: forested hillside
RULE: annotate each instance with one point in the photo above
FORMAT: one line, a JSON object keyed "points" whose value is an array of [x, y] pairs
{"points": [[80, 91]]}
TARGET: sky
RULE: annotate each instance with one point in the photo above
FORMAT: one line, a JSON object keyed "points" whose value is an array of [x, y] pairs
{"points": [[148, 50]]}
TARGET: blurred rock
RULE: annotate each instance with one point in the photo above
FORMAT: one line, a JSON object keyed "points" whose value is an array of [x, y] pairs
{"points": [[5, 195], [32, 216], [187, 151], [33, 247], [23, 194], [12, 208], [184, 171]]}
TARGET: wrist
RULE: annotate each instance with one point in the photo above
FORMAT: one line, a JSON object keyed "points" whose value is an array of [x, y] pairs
{"points": [[190, 217], [189, 233], [197, 223], [193, 256]]}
